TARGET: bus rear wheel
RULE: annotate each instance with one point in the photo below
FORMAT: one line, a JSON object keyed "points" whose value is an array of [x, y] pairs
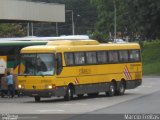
{"points": [[37, 99], [112, 89], [121, 88]]}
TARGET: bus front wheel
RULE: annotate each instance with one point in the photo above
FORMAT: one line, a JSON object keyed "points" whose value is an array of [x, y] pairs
{"points": [[69, 94], [80, 95], [37, 99], [93, 94]]}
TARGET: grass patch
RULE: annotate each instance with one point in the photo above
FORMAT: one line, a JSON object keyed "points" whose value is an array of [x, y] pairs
{"points": [[151, 69], [151, 58]]}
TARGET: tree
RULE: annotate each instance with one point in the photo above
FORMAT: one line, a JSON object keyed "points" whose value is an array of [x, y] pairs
{"points": [[12, 30], [134, 17], [85, 17]]}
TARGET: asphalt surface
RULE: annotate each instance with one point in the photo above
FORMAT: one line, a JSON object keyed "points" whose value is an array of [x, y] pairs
{"points": [[141, 101]]}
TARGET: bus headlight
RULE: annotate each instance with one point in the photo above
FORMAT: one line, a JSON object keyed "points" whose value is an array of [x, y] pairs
{"points": [[51, 86], [20, 86], [48, 86]]}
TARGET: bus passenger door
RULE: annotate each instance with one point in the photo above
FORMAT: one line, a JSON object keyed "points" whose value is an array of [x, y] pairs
{"points": [[59, 64]]}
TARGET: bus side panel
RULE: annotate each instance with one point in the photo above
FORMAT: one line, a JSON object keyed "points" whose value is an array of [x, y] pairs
{"points": [[91, 88], [96, 78]]}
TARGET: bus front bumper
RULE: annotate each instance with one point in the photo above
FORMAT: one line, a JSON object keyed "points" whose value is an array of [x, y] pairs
{"points": [[44, 93]]}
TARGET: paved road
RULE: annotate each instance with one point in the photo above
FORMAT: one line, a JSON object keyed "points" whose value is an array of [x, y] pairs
{"points": [[144, 99]]}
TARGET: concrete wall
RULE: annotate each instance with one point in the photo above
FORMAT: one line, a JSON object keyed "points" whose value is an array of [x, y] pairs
{"points": [[31, 11]]}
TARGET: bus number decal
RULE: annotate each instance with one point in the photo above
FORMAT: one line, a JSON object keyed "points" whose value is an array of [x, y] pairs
{"points": [[84, 71], [22, 81]]}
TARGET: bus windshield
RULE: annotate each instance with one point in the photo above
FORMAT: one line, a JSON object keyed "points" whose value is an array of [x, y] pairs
{"points": [[36, 64]]}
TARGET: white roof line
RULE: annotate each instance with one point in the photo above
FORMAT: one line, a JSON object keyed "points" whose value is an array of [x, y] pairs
{"points": [[70, 37]]}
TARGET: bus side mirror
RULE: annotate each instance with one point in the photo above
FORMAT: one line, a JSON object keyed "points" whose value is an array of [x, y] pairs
{"points": [[59, 64]]}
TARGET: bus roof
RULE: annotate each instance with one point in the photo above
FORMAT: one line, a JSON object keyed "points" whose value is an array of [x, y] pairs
{"points": [[72, 42], [66, 47]]}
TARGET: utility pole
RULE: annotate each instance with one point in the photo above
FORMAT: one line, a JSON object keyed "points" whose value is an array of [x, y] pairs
{"points": [[32, 28], [28, 29], [57, 29], [115, 19], [73, 27]]}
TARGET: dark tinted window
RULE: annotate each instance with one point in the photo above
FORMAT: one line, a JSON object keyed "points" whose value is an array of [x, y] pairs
{"points": [[123, 56], [91, 57], [113, 56], [69, 58], [101, 57], [134, 55], [79, 58], [59, 63]]}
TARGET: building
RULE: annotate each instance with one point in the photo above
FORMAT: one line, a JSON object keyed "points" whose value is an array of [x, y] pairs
{"points": [[31, 11]]}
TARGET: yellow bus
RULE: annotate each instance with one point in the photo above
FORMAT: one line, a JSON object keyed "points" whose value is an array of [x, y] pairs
{"points": [[77, 67]]}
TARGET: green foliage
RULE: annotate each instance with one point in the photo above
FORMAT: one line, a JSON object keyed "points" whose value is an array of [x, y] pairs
{"points": [[85, 17], [151, 57], [151, 69], [100, 37], [106, 20], [133, 16], [11, 30]]}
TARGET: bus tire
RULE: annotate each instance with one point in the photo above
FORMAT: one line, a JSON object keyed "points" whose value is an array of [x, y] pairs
{"points": [[121, 88], [80, 95], [69, 94], [37, 99], [2, 95], [112, 89], [93, 94]]}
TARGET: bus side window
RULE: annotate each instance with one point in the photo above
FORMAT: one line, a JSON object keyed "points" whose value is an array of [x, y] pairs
{"points": [[134, 55], [59, 63], [69, 60], [113, 56], [123, 56], [79, 58], [102, 57], [91, 57]]}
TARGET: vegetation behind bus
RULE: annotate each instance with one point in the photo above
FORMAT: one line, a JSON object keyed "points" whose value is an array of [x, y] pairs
{"points": [[151, 58]]}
